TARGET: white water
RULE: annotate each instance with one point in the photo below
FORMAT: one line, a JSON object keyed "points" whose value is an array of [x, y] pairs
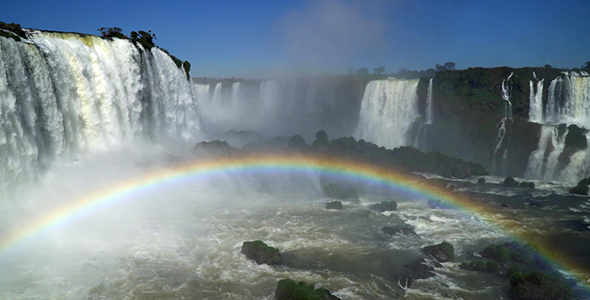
{"points": [[63, 93], [536, 101], [388, 110], [568, 103], [500, 155]]}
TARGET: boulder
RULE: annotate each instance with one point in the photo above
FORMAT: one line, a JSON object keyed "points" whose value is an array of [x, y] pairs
{"points": [[443, 252], [482, 266], [510, 182], [481, 180], [288, 289], [385, 206], [262, 253], [538, 286], [335, 205], [420, 269]]}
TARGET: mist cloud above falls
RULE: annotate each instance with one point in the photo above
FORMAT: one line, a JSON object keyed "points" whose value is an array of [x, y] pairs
{"points": [[331, 33]]}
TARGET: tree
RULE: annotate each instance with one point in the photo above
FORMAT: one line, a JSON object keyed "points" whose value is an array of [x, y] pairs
{"points": [[586, 65], [112, 32], [362, 71], [548, 66], [146, 39], [446, 67], [378, 71]]}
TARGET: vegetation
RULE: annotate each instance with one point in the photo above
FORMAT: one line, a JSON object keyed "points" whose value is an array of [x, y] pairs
{"points": [[12, 30], [442, 252], [112, 32], [524, 254], [288, 289], [499, 253], [539, 286], [261, 253]]}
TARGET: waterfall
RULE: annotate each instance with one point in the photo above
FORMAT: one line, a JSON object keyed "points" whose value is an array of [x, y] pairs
{"points": [[500, 155], [216, 99], [202, 93], [536, 101], [544, 162], [62, 93], [235, 94], [421, 137], [388, 110]]}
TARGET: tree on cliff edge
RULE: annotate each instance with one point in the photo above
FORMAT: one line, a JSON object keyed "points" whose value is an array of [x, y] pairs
{"points": [[446, 67]]}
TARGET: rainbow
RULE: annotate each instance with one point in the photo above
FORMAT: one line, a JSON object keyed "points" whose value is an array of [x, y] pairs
{"points": [[274, 163]]}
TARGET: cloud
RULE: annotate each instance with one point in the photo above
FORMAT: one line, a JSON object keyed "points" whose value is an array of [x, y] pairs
{"points": [[330, 33]]}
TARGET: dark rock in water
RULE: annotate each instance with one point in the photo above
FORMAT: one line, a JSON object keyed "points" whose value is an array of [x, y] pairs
{"points": [[443, 252], [499, 253], [385, 206], [420, 268], [536, 203], [336, 205], [482, 266], [539, 286], [262, 253], [404, 229], [288, 289], [515, 252], [481, 180], [526, 184], [215, 147], [405, 281], [510, 182], [575, 225], [579, 190], [505, 205]]}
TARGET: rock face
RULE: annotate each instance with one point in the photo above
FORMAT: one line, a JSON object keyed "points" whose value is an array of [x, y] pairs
{"points": [[385, 206], [538, 286], [420, 269], [288, 289], [262, 253], [443, 252]]}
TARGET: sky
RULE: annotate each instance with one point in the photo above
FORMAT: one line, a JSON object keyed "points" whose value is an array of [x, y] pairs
{"points": [[262, 39]]}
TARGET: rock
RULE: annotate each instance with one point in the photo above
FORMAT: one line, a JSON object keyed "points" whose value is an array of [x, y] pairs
{"points": [[405, 281], [288, 289], [404, 229], [579, 190], [262, 253], [510, 182], [336, 205], [420, 269], [437, 204], [482, 266], [443, 252], [215, 147], [539, 286], [525, 184], [499, 253], [481, 180], [385, 206]]}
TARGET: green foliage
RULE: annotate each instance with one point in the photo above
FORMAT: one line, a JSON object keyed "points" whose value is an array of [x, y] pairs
{"points": [[362, 71], [146, 39], [539, 286], [378, 71], [14, 28], [448, 66], [287, 289], [448, 249], [334, 191], [112, 32], [261, 253], [500, 253], [297, 142], [10, 35], [321, 140]]}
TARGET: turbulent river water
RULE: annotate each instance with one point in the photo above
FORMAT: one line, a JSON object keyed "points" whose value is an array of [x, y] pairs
{"points": [[182, 240]]}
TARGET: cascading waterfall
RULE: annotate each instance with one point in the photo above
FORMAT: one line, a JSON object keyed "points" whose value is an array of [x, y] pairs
{"points": [[500, 155], [536, 101], [388, 110], [61, 93], [421, 138], [568, 102]]}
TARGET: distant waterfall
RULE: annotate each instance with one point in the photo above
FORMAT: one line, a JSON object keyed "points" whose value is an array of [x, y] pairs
{"points": [[62, 93], [500, 154], [388, 110], [568, 102]]}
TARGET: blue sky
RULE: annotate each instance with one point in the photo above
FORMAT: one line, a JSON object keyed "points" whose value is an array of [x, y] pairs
{"points": [[271, 38]]}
